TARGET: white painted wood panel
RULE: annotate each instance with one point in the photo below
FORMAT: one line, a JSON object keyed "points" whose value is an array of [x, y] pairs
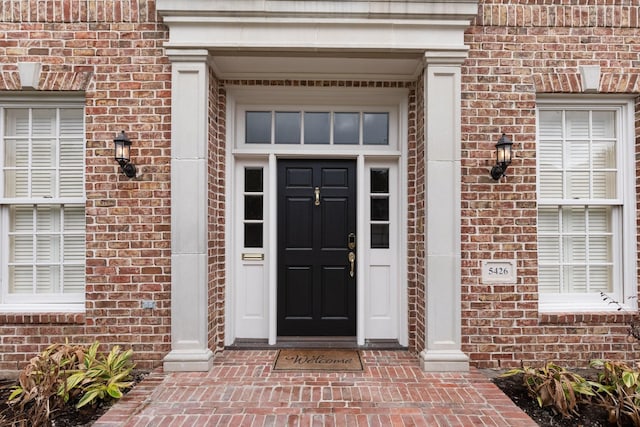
{"points": [[382, 284], [251, 276]]}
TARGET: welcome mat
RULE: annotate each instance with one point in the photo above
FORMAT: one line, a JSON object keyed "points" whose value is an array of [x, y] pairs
{"points": [[332, 360]]}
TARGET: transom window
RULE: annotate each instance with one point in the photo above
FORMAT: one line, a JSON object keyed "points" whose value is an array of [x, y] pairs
{"points": [[42, 204], [317, 127], [582, 203]]}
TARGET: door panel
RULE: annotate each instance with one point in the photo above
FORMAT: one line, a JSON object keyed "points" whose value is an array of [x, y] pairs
{"points": [[299, 299], [316, 213], [299, 234], [333, 227]]}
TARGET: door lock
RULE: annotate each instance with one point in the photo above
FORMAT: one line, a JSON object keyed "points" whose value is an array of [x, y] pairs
{"points": [[352, 260], [351, 241]]}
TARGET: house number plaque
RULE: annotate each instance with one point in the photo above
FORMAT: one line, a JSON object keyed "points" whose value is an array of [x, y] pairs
{"points": [[499, 271]]}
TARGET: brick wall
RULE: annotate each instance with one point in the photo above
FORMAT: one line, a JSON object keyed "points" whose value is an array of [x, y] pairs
{"points": [[112, 50], [217, 171], [518, 50], [416, 218]]}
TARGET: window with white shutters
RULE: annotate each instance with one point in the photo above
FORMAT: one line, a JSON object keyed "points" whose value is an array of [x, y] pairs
{"points": [[583, 205], [42, 205]]}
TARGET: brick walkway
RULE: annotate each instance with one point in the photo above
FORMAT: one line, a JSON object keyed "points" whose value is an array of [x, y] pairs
{"points": [[242, 390]]}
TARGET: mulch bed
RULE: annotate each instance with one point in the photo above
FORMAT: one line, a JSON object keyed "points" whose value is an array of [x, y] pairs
{"points": [[68, 416], [588, 415]]}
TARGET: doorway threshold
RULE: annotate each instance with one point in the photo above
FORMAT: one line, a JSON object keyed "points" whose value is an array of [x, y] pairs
{"points": [[314, 342]]}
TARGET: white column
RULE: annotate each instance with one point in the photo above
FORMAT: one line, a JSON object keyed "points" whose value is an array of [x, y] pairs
{"points": [[442, 151], [361, 295], [189, 224], [272, 258]]}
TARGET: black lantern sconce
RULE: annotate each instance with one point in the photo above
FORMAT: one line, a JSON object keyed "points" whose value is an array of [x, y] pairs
{"points": [[503, 157], [122, 148]]}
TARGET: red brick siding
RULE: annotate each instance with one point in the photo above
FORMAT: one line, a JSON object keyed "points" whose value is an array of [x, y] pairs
{"points": [[416, 218], [637, 186], [516, 51], [112, 50], [217, 171]]}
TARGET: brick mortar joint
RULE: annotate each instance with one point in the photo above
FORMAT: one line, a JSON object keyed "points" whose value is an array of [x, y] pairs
{"points": [[7, 319], [571, 319]]}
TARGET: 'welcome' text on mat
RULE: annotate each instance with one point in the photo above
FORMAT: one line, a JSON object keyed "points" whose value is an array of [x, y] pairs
{"points": [[318, 360]]}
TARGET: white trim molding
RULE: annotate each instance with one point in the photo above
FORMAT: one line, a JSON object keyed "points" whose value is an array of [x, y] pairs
{"points": [[363, 40], [376, 40]]}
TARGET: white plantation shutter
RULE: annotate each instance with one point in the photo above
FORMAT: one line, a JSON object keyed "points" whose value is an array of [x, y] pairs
{"points": [[18, 122], [549, 249], [74, 249], [21, 246], [577, 167], [71, 153], [43, 161], [71, 167], [577, 124], [43, 155], [550, 154]]}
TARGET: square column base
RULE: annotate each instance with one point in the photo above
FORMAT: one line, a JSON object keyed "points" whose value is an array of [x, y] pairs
{"points": [[188, 361], [444, 361]]}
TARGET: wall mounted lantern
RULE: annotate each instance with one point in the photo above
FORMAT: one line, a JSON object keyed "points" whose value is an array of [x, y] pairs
{"points": [[503, 157], [122, 148]]}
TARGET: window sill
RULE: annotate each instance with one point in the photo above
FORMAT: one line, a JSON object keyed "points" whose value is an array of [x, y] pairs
{"points": [[592, 303]]}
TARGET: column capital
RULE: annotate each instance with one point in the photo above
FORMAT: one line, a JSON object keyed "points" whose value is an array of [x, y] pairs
{"points": [[445, 57], [187, 55]]}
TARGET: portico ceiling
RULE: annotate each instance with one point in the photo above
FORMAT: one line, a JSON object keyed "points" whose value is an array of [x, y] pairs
{"points": [[267, 39]]}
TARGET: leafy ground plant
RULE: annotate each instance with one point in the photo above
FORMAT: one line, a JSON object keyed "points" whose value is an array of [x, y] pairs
{"points": [[552, 385], [68, 373], [101, 376], [36, 394], [619, 391]]}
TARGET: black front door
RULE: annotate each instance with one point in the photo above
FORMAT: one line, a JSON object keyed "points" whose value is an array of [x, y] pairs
{"points": [[316, 247]]}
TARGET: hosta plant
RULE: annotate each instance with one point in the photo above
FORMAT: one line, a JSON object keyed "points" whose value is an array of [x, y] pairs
{"points": [[552, 385]]}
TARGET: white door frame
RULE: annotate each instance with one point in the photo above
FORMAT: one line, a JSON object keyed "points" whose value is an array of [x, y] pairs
{"points": [[238, 157]]}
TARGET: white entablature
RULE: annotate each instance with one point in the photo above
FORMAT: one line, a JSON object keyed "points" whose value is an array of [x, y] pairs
{"points": [[318, 39]]}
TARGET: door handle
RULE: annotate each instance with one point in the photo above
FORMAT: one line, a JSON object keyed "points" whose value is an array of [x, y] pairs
{"points": [[317, 191], [352, 260]]}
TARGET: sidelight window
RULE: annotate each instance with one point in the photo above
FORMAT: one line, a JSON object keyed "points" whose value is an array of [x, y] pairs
{"points": [[253, 207], [379, 214]]}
